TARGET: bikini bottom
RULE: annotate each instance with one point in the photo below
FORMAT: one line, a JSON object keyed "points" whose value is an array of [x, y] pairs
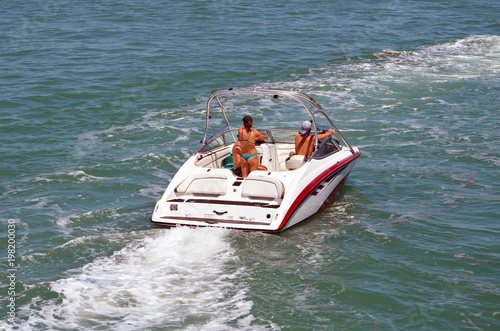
{"points": [[247, 157]]}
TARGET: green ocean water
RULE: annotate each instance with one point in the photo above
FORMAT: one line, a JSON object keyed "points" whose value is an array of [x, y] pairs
{"points": [[101, 103]]}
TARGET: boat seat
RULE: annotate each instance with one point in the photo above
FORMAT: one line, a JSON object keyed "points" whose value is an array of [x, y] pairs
{"points": [[295, 162], [282, 156], [204, 183], [262, 188]]}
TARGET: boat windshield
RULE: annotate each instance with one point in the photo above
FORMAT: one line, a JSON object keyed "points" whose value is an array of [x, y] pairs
{"points": [[222, 138]]}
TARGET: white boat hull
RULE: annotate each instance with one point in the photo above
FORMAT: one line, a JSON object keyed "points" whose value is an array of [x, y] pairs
{"points": [[306, 191]]}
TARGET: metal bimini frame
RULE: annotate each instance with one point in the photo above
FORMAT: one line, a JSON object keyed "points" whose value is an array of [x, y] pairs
{"points": [[305, 100]]}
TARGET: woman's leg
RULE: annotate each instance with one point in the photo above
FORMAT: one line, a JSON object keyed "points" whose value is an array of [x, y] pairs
{"points": [[245, 168], [237, 155], [253, 163]]}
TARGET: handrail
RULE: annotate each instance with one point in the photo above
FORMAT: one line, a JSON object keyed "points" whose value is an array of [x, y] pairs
{"points": [[336, 130]]}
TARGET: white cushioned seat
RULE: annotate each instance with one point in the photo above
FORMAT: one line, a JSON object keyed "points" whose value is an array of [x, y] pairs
{"points": [[295, 162], [262, 188], [205, 183]]}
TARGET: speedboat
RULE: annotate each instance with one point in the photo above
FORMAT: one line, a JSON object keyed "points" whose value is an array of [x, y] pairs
{"points": [[206, 192]]}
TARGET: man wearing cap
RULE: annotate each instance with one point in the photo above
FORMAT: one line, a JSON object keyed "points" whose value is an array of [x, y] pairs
{"points": [[304, 142], [247, 138]]}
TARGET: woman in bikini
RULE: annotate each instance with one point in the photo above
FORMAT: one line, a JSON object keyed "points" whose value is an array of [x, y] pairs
{"points": [[247, 138]]}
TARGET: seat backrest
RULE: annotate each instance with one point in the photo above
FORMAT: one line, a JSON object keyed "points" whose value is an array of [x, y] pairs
{"points": [[204, 183], [267, 188], [295, 162]]}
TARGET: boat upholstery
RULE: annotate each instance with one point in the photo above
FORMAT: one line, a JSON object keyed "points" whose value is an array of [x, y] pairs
{"points": [[213, 159], [295, 162], [204, 183], [258, 187], [282, 156]]}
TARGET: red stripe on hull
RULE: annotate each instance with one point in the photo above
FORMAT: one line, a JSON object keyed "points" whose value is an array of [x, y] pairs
{"points": [[312, 185], [334, 193]]}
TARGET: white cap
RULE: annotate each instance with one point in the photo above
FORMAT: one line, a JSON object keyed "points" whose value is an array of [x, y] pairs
{"points": [[306, 128]]}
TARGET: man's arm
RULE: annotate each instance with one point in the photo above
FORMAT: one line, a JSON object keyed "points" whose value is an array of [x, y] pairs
{"points": [[326, 134]]}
